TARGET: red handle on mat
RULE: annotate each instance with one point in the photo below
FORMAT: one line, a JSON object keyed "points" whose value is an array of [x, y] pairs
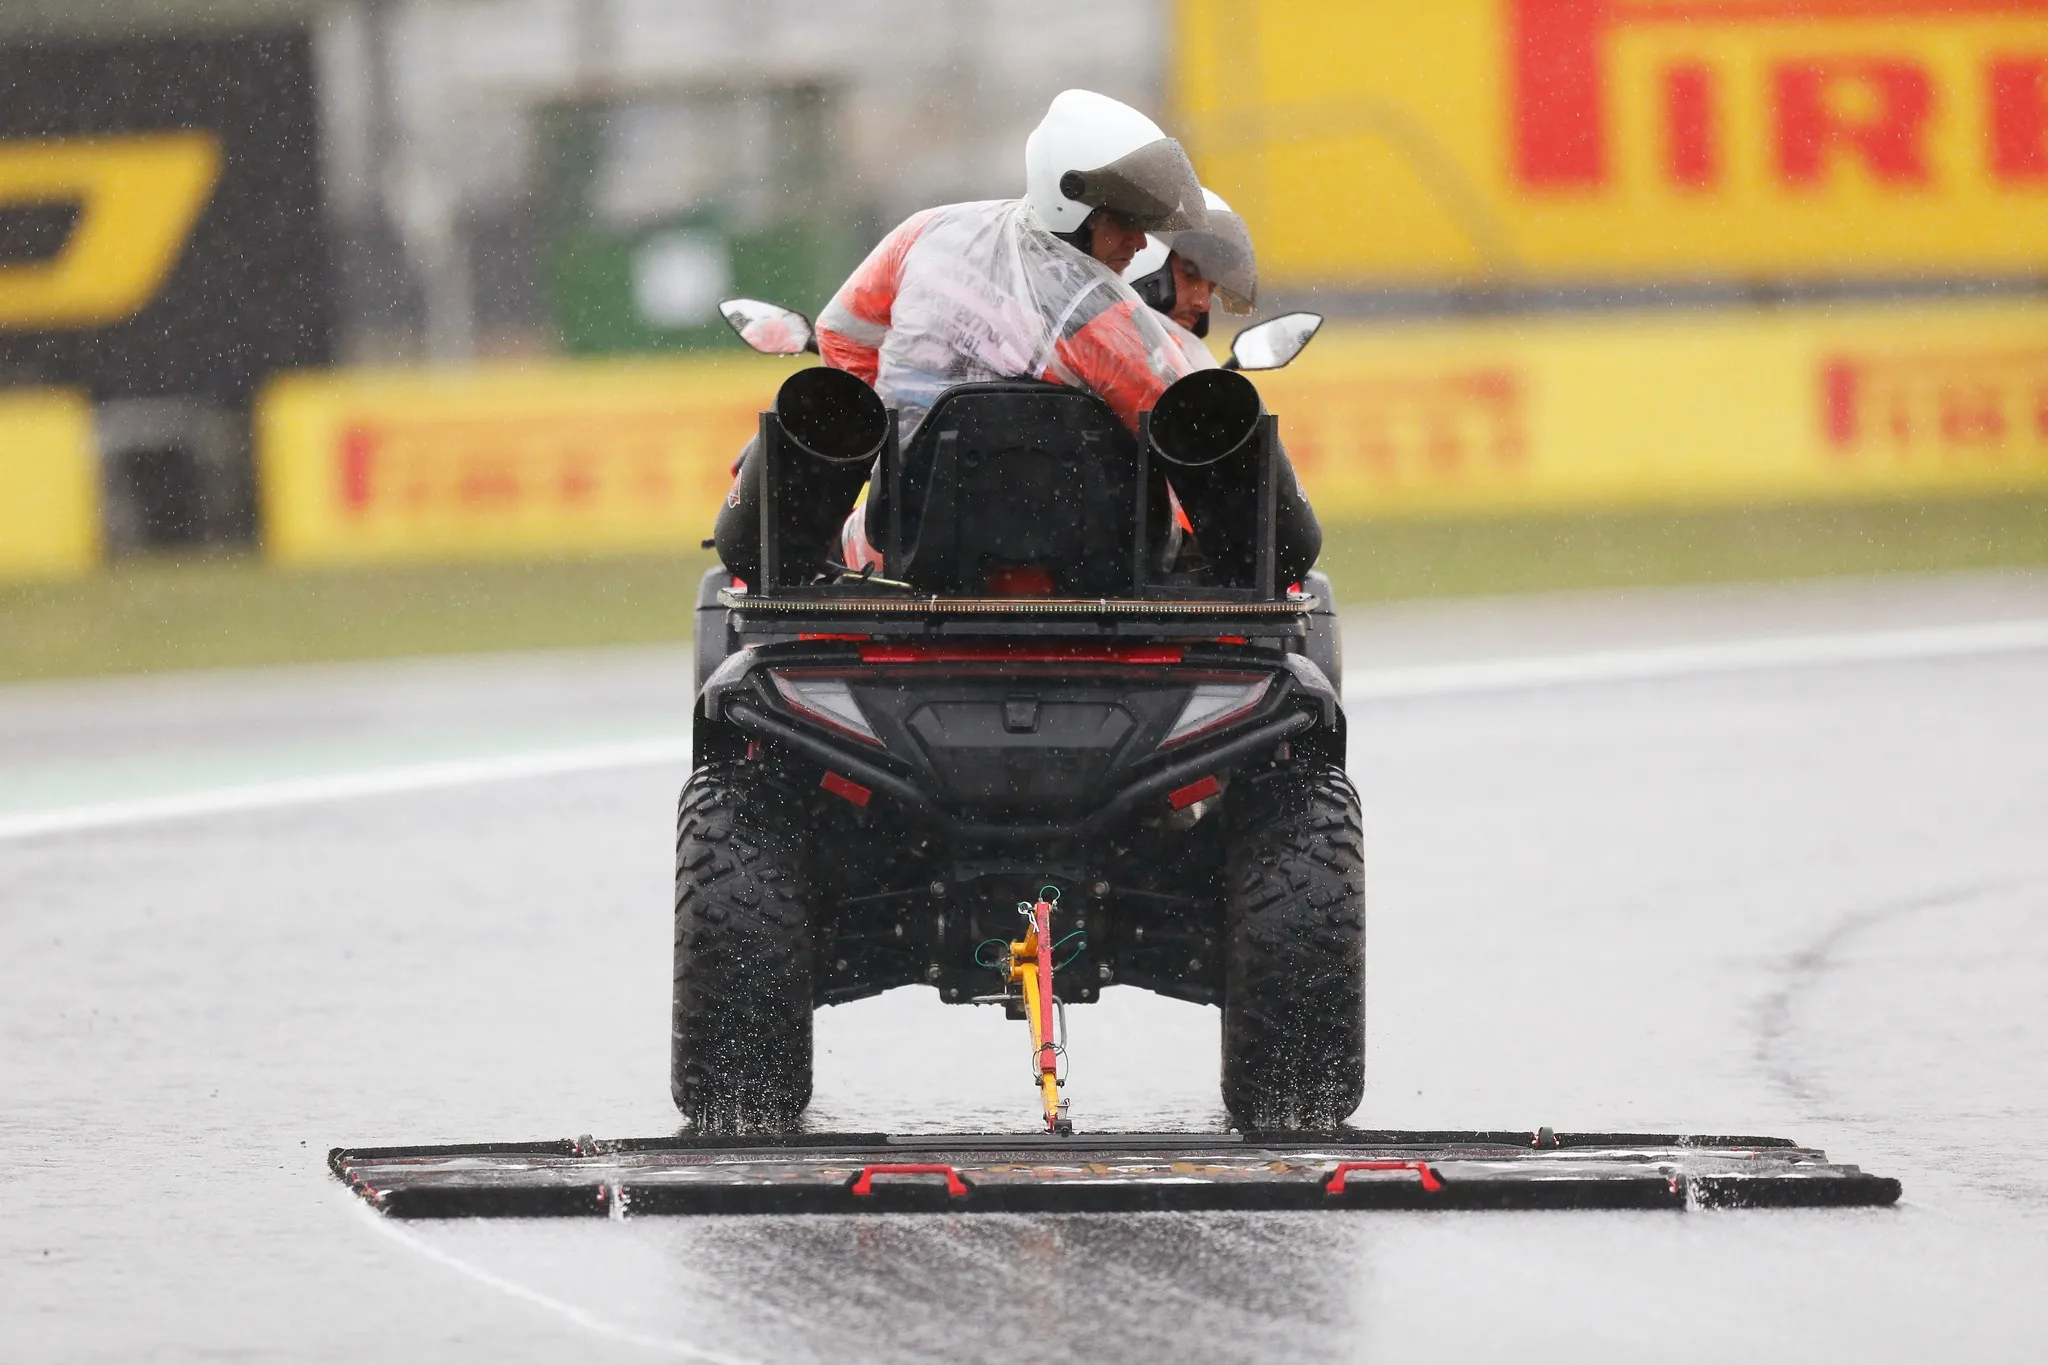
{"points": [[1421, 1168], [864, 1183]]}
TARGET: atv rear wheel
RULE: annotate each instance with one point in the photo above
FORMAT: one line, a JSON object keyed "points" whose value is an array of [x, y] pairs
{"points": [[741, 1048], [1294, 956]]}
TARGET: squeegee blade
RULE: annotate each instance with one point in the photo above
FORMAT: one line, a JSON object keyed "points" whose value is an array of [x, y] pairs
{"points": [[1103, 1173]]}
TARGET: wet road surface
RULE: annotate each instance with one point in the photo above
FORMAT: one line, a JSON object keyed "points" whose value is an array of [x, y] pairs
{"points": [[1807, 898]]}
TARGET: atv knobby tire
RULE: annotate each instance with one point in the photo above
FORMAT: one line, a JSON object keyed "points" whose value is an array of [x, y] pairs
{"points": [[1294, 955], [741, 1051]]}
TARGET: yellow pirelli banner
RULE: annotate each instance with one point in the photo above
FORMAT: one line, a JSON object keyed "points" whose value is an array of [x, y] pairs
{"points": [[1562, 413], [1390, 143], [49, 485], [1671, 408], [499, 462]]}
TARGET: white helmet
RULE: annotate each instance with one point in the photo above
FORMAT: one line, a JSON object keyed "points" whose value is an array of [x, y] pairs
{"points": [[1091, 152], [1148, 262]]}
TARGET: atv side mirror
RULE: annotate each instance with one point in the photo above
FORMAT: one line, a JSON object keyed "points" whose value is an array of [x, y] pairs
{"points": [[770, 328], [1270, 344]]}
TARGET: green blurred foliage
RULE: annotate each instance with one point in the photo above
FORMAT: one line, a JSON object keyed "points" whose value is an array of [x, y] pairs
{"points": [[797, 258], [234, 610]]}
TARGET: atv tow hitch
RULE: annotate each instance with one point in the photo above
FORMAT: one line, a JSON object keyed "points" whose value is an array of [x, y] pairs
{"points": [[1027, 970]]}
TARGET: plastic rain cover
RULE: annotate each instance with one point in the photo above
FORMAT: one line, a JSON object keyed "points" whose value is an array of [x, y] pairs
{"points": [[988, 293]]}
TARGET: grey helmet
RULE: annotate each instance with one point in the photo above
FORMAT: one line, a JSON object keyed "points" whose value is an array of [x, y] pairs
{"points": [[1220, 250]]}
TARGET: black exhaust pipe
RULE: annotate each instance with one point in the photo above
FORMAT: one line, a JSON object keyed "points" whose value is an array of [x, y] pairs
{"points": [[832, 427], [1207, 418], [827, 428], [1206, 430], [833, 416]]}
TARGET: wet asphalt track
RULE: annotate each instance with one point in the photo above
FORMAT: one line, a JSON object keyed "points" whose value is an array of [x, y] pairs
{"points": [[1796, 896]]}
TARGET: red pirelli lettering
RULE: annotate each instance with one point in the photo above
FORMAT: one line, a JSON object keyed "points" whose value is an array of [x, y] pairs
{"points": [[1981, 406], [1876, 110], [1691, 155], [2018, 92], [1887, 130]]}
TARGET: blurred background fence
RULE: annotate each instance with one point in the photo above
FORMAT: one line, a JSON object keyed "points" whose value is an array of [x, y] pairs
{"points": [[372, 280]]}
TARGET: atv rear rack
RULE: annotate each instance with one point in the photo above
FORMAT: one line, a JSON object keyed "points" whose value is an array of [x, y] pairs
{"points": [[1102, 1173], [876, 604], [799, 611]]}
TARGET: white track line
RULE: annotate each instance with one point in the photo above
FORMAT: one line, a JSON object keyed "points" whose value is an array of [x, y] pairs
{"points": [[1691, 661], [302, 791], [1387, 684], [581, 1317]]}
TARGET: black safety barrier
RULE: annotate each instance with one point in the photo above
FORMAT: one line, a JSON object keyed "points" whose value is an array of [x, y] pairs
{"points": [[246, 286]]}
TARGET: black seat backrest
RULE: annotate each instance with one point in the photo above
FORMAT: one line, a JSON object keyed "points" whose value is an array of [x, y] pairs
{"points": [[1019, 473]]}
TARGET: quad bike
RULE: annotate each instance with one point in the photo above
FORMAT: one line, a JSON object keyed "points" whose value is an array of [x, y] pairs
{"points": [[1040, 703]]}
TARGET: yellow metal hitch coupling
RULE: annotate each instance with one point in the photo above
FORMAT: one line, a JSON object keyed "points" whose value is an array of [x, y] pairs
{"points": [[1030, 967]]}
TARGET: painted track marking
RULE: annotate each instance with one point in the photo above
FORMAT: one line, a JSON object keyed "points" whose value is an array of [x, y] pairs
{"points": [[580, 1317], [414, 777], [1701, 660], [1416, 682]]}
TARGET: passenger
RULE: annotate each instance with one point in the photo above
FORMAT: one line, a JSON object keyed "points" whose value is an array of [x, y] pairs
{"points": [[1179, 274]]}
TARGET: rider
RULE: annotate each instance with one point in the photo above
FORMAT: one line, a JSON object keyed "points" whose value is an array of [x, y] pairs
{"points": [[999, 289], [1009, 288], [1005, 288]]}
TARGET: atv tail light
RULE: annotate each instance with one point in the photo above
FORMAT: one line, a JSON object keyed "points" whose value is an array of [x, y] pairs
{"points": [[1216, 703], [828, 701]]}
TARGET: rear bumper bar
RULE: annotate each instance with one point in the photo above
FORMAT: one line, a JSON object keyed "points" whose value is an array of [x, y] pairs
{"points": [[1194, 766]]}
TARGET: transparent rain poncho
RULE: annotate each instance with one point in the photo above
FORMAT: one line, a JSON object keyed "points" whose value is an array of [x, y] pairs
{"points": [[1193, 349], [982, 291]]}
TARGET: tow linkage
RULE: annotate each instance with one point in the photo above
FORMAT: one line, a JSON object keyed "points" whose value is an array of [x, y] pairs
{"points": [[1029, 966]]}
